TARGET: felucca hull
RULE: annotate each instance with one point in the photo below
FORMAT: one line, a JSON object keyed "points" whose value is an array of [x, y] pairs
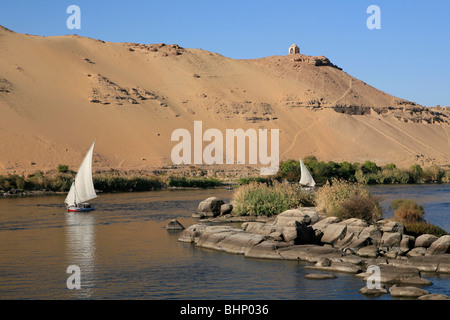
{"points": [[76, 209]]}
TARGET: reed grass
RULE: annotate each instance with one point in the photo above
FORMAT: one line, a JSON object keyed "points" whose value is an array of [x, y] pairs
{"points": [[347, 200], [407, 210], [257, 198], [248, 180], [114, 183], [411, 214], [183, 182], [36, 182], [418, 228], [61, 182]]}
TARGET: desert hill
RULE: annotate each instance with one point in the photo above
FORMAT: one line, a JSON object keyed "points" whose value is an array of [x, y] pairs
{"points": [[58, 94]]}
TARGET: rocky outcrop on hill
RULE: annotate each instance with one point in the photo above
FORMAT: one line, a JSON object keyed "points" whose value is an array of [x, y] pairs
{"points": [[5, 86], [409, 113], [104, 91], [161, 48], [320, 61]]}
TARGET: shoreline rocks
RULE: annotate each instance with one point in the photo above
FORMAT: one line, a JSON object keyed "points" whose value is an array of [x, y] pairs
{"points": [[329, 244], [174, 225], [440, 246], [399, 275], [373, 291], [320, 276], [209, 208], [351, 236], [410, 292]]}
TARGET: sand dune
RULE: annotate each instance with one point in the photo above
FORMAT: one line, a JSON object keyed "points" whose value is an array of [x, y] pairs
{"points": [[58, 94]]}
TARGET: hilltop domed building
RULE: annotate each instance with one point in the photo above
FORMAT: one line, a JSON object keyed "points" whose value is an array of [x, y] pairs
{"points": [[294, 49]]}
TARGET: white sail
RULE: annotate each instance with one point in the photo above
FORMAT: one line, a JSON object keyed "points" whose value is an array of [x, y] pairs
{"points": [[83, 187], [306, 177]]}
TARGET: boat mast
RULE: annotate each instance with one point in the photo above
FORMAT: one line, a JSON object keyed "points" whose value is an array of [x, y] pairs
{"points": [[74, 194]]}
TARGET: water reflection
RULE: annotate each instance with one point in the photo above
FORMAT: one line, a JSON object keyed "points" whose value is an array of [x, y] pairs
{"points": [[80, 235]]}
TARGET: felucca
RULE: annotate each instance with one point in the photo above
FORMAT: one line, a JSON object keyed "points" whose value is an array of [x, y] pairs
{"points": [[306, 178], [82, 188]]}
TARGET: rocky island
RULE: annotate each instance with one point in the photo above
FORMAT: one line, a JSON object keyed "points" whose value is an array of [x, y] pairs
{"points": [[331, 245]]}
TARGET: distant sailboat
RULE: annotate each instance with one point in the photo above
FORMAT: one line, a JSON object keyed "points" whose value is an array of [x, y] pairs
{"points": [[82, 188], [306, 178]]}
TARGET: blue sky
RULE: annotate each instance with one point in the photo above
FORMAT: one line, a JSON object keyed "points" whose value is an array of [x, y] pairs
{"points": [[408, 57]]}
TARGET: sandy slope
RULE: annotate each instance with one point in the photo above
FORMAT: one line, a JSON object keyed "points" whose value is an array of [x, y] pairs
{"points": [[58, 94]]}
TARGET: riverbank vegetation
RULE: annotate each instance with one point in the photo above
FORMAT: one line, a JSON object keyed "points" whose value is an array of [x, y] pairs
{"points": [[367, 173], [111, 181], [343, 198], [183, 182], [117, 183]]}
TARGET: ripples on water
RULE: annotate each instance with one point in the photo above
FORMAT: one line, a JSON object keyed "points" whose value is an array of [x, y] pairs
{"points": [[125, 252]]}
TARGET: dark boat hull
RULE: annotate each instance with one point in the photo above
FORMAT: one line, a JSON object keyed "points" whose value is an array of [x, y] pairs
{"points": [[83, 208]]}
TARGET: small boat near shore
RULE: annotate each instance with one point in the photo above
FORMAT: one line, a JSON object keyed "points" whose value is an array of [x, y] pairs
{"points": [[82, 188]]}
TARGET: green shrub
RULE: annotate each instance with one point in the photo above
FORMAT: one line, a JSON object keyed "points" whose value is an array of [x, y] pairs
{"points": [[406, 210], [433, 173], [346, 171], [369, 167], [390, 166], [114, 183], [367, 173], [418, 228], [348, 200], [387, 175], [446, 176], [290, 170], [35, 181], [63, 168], [416, 172], [242, 181], [391, 175], [184, 182], [59, 183], [368, 178], [144, 183], [5, 185], [12, 181], [320, 170], [308, 160], [261, 199]]}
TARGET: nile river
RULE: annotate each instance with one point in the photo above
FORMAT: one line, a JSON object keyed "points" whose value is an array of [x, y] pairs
{"points": [[124, 251]]}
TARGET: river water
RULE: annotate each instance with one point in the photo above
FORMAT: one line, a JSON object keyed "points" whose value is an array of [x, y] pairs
{"points": [[123, 251]]}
